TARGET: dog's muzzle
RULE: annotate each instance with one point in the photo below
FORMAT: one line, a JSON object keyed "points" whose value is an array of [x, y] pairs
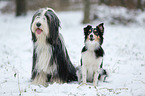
{"points": [[38, 30], [38, 24], [91, 37]]}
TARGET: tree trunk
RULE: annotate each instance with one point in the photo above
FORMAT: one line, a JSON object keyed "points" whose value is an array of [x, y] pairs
{"points": [[139, 5], [86, 11], [20, 7], [123, 3], [102, 1]]}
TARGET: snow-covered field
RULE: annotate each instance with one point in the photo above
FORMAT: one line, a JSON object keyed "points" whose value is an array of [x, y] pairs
{"points": [[124, 58]]}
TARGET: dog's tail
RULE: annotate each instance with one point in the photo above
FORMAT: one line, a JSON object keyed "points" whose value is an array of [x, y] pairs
{"points": [[103, 74]]}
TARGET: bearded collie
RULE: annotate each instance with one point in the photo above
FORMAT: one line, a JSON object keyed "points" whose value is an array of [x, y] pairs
{"points": [[51, 62]]}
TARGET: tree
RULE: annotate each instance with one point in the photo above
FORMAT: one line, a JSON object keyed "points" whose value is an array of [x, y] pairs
{"points": [[123, 3], [86, 11], [20, 7], [107, 2], [139, 5]]}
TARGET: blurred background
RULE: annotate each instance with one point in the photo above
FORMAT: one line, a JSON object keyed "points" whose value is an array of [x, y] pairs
{"points": [[90, 8]]}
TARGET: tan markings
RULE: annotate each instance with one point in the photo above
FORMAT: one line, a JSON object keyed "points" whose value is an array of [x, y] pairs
{"points": [[88, 38], [97, 38]]}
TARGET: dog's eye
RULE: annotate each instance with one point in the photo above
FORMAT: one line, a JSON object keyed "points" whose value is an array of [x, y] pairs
{"points": [[95, 32], [90, 31]]}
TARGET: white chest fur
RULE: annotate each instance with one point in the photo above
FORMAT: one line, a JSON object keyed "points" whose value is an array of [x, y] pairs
{"points": [[91, 64], [44, 54]]}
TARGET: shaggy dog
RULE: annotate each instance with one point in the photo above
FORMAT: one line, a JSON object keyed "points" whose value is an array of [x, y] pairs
{"points": [[51, 62]]}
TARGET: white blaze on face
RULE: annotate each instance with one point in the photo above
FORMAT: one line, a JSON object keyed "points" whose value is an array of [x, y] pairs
{"points": [[91, 36], [92, 42], [43, 28]]}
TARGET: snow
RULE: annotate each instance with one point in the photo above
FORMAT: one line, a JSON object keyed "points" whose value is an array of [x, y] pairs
{"points": [[124, 58], [117, 15], [3, 4]]}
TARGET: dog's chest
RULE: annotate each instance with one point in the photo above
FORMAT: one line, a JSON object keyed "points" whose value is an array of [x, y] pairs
{"points": [[91, 63], [44, 56], [89, 59]]}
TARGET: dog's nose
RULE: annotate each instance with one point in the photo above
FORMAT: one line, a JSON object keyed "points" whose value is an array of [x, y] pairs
{"points": [[91, 36], [38, 24]]}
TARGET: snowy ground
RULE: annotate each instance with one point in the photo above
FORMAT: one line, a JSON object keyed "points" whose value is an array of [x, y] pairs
{"points": [[124, 59]]}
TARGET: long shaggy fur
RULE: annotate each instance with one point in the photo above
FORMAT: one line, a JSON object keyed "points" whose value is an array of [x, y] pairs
{"points": [[50, 58]]}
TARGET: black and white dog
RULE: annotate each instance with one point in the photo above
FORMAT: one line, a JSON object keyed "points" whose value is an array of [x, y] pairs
{"points": [[92, 55], [51, 62]]}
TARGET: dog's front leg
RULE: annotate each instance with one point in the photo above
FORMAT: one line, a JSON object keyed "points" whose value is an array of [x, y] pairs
{"points": [[40, 79], [95, 81], [84, 74]]}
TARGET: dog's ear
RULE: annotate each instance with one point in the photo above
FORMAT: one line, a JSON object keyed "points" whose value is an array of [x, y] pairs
{"points": [[101, 27], [87, 28], [54, 24]]}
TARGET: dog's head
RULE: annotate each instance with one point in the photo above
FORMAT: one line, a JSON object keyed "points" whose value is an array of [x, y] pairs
{"points": [[46, 24], [94, 35]]}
